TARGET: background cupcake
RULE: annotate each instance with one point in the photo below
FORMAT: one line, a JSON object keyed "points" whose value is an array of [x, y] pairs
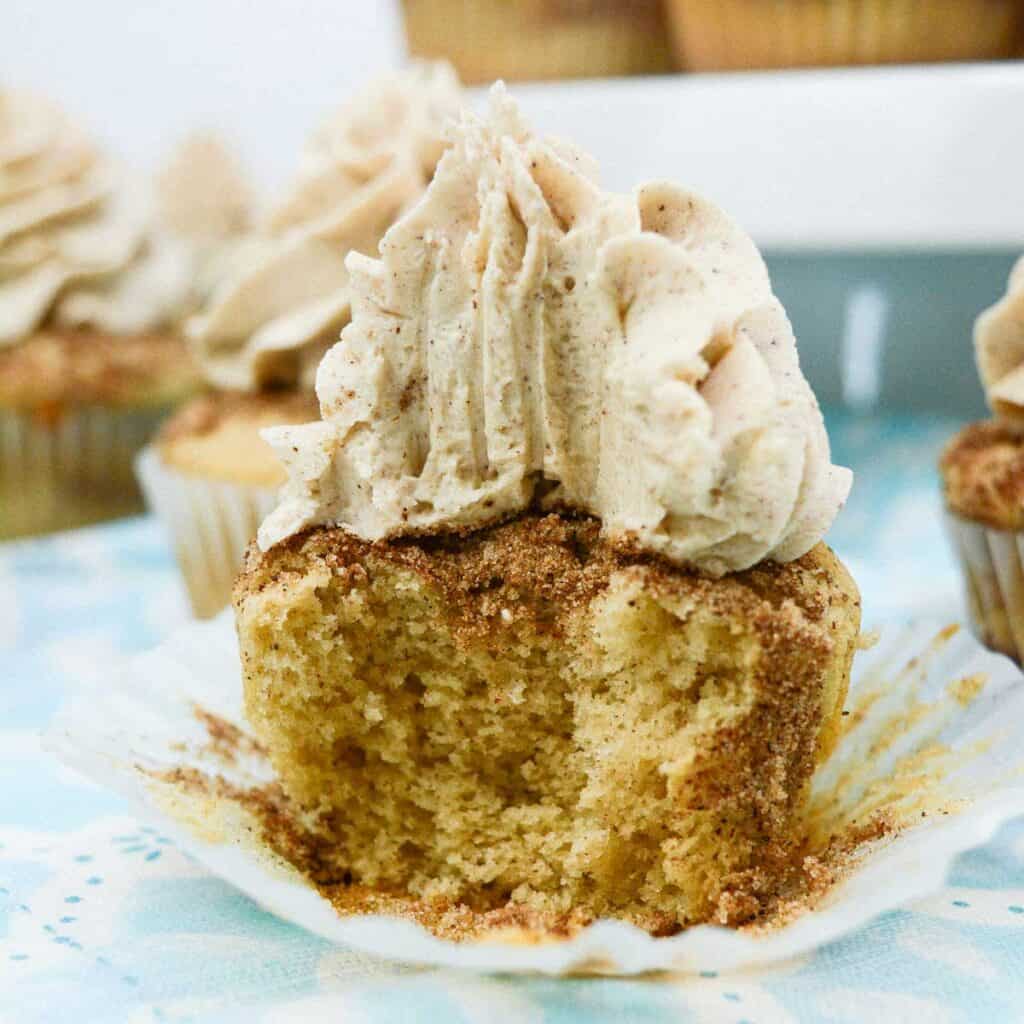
{"points": [[204, 198], [724, 34], [209, 476], [520, 39], [94, 285], [983, 480]]}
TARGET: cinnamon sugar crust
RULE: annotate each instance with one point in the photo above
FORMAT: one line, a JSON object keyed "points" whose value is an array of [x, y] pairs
{"points": [[558, 562], [525, 727], [56, 368], [982, 471]]}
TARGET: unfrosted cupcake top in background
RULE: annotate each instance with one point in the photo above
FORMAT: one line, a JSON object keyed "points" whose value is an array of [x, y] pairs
{"points": [[999, 350], [82, 244], [526, 337], [271, 321]]}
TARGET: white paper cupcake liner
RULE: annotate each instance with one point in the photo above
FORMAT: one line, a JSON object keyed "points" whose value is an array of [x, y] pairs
{"points": [[957, 748], [210, 524], [993, 570], [72, 471]]}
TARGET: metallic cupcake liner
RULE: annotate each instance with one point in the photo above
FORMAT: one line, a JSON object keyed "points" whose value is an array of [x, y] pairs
{"points": [[993, 569], [71, 469], [210, 524]]}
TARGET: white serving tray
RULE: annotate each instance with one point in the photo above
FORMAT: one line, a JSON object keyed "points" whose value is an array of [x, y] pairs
{"points": [[907, 157]]}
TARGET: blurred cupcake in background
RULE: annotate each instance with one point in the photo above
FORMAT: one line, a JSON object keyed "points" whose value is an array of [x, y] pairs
{"points": [[94, 287], [209, 476], [714, 35], [204, 198], [983, 480], [538, 39]]}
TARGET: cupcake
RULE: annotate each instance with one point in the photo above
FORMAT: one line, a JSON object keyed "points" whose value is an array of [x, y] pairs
{"points": [[522, 39], [94, 285], [259, 339], [712, 35], [543, 628], [982, 471]]}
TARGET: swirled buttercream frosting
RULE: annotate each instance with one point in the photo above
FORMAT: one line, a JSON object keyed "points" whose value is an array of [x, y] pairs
{"points": [[527, 338], [271, 321], [80, 245], [999, 350]]}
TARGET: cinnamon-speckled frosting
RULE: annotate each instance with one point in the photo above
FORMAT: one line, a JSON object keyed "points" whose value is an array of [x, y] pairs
{"points": [[999, 350], [525, 336], [272, 320], [80, 241]]}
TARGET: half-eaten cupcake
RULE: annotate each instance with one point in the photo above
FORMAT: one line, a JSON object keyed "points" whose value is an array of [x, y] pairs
{"points": [[543, 626]]}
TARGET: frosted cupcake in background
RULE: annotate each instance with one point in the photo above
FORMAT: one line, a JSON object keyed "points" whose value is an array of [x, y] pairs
{"points": [[95, 283], [260, 337], [983, 480], [711, 35]]}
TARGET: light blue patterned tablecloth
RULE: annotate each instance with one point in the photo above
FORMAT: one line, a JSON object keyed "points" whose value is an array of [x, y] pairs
{"points": [[102, 918]]}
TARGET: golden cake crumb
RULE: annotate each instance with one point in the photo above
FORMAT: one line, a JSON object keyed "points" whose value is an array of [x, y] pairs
{"points": [[527, 727]]}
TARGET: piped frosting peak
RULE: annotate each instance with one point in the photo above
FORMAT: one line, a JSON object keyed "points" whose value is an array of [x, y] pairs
{"points": [[527, 338]]}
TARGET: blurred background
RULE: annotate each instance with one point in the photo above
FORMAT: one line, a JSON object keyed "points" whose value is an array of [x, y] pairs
{"points": [[888, 199]]}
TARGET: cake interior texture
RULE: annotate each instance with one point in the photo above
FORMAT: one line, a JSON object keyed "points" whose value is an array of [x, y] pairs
{"points": [[525, 717]]}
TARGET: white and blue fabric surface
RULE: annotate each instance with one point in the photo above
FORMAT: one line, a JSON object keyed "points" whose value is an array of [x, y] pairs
{"points": [[103, 918]]}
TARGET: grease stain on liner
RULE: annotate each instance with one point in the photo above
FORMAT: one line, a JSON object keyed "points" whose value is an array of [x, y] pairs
{"points": [[926, 767]]}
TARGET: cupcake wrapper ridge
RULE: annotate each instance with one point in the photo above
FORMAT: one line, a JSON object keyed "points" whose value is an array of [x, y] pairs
{"points": [[71, 470], [210, 524], [993, 569]]}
